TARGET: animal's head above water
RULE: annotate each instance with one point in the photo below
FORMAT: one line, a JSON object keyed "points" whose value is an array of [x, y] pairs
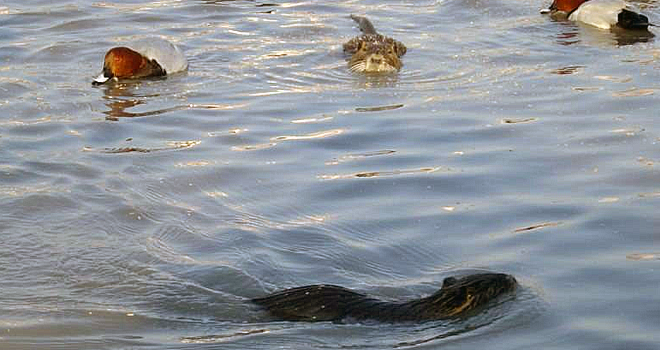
{"points": [[375, 53], [459, 295], [125, 63]]}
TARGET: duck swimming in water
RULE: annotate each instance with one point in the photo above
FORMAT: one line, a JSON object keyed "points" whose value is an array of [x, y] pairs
{"points": [[604, 14], [153, 57]]}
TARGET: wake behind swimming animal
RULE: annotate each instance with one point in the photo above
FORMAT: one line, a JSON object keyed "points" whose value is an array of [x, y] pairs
{"points": [[456, 298], [372, 52]]}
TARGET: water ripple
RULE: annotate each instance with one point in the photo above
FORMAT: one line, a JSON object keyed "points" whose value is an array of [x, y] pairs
{"points": [[379, 173], [311, 136]]}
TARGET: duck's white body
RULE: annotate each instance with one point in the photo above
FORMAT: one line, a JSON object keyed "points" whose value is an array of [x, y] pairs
{"points": [[168, 55], [602, 14]]}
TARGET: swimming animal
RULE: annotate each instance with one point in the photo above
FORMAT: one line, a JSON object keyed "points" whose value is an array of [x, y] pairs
{"points": [[456, 298], [604, 14], [372, 52], [153, 57]]}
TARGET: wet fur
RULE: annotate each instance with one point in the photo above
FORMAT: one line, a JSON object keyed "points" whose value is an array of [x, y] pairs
{"points": [[457, 297], [372, 52]]}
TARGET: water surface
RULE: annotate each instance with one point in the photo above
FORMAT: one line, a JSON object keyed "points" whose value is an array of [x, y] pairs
{"points": [[145, 214]]}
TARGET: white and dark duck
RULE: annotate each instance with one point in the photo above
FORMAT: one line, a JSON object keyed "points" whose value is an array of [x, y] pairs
{"points": [[603, 14], [372, 52]]}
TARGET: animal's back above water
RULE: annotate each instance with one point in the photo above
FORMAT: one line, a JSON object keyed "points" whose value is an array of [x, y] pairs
{"points": [[335, 303], [168, 55], [372, 52]]}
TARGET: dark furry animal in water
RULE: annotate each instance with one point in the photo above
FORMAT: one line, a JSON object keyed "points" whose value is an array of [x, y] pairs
{"points": [[457, 297], [372, 52]]}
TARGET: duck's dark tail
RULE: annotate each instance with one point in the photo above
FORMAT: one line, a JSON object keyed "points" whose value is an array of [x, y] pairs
{"points": [[365, 25], [631, 20]]}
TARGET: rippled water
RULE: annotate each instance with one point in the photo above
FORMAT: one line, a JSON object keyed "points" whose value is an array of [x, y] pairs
{"points": [[143, 215]]}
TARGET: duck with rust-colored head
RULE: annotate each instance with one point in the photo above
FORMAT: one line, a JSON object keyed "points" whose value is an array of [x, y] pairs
{"points": [[144, 58], [604, 14]]}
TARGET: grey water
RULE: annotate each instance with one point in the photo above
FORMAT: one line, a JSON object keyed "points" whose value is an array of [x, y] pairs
{"points": [[144, 215]]}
